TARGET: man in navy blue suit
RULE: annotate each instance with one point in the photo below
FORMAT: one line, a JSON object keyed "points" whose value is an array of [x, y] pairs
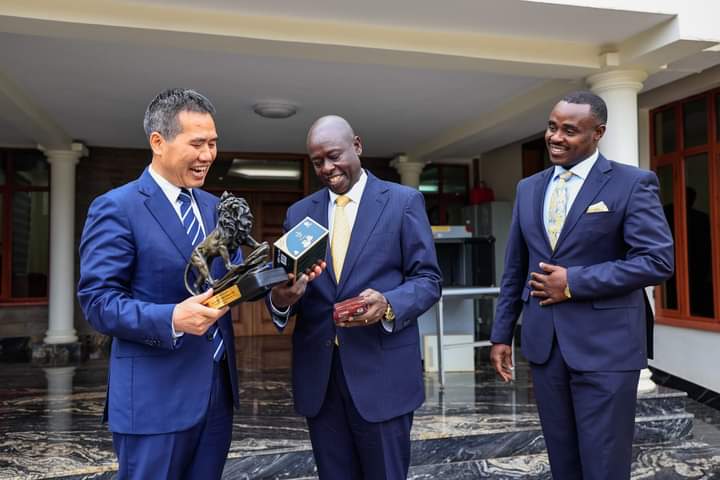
{"points": [[172, 377], [587, 235], [358, 383]]}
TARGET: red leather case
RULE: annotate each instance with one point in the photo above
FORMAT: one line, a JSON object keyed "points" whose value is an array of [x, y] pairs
{"points": [[346, 309]]}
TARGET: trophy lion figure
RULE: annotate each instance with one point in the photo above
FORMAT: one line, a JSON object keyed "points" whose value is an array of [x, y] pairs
{"points": [[233, 228]]}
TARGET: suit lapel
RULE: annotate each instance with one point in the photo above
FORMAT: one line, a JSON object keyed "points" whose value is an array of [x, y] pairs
{"points": [[372, 204], [539, 203], [207, 212], [319, 213], [164, 213], [597, 178], [319, 208]]}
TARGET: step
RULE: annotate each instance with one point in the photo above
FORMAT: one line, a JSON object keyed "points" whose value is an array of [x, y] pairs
{"points": [[463, 434], [671, 461], [668, 461]]}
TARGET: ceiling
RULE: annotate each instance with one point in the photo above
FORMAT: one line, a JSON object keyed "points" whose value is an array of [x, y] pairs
{"points": [[100, 91], [493, 17], [413, 77]]}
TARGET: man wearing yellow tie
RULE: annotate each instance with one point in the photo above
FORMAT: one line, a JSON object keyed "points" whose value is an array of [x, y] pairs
{"points": [[587, 235], [359, 382]]}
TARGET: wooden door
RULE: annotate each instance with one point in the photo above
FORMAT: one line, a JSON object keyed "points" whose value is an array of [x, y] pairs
{"points": [[268, 208]]}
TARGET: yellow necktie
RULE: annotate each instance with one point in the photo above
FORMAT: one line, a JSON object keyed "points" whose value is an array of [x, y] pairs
{"points": [[340, 235], [557, 208]]}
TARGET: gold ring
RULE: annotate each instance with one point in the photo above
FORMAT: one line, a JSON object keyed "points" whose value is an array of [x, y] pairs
{"points": [[366, 321]]}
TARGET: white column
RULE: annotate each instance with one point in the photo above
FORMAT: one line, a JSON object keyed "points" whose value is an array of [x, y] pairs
{"points": [[62, 249], [619, 89], [408, 169]]}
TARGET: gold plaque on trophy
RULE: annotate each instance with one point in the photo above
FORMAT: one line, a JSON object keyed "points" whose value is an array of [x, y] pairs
{"points": [[224, 298]]}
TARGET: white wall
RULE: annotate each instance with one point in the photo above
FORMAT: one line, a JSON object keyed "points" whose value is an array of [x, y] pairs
{"points": [[680, 89], [684, 352], [689, 354]]}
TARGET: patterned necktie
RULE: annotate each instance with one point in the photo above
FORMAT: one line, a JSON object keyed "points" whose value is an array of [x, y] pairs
{"points": [[195, 234], [340, 235], [558, 208], [189, 219]]}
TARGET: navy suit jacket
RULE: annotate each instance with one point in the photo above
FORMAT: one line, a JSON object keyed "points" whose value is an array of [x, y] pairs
{"points": [[133, 254], [392, 251], [610, 256]]}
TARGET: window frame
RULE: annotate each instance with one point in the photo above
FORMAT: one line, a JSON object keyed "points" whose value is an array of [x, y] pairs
{"points": [[681, 317], [7, 191]]}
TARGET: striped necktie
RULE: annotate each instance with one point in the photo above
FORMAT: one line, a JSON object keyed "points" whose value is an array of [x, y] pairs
{"points": [[189, 219], [195, 233], [557, 208]]}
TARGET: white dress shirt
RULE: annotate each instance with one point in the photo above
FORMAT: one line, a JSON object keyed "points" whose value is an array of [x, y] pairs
{"points": [[573, 185]]}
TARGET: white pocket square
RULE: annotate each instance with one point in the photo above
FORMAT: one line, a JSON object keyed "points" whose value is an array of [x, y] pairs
{"points": [[597, 208]]}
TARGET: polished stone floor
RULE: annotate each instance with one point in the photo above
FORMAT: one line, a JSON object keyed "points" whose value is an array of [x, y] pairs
{"points": [[476, 428]]}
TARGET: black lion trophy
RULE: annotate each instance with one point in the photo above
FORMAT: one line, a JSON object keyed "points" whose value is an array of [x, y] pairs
{"points": [[245, 282]]}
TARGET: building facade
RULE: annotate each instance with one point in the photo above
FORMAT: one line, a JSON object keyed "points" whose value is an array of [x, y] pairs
{"points": [[428, 88]]}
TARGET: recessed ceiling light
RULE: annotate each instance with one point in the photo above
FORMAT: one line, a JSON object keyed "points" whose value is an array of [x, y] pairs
{"points": [[275, 109], [265, 169]]}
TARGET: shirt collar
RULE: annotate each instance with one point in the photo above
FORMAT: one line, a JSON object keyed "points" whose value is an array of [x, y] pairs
{"points": [[171, 191], [355, 193], [580, 169]]}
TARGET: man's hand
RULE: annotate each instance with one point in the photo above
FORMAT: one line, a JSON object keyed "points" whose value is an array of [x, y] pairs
{"points": [[376, 303], [550, 286], [191, 316], [286, 294], [501, 359]]}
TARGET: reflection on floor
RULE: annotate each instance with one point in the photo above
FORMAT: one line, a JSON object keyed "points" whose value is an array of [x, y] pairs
{"points": [[475, 428]]}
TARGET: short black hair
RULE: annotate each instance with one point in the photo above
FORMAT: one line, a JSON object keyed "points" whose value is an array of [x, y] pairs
{"points": [[161, 114], [584, 97]]}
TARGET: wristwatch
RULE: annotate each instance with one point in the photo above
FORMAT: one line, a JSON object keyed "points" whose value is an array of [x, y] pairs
{"points": [[389, 314], [567, 291]]}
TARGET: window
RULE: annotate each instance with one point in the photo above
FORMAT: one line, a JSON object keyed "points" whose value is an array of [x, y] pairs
{"points": [[668, 290], [685, 155], [24, 225], [445, 188]]}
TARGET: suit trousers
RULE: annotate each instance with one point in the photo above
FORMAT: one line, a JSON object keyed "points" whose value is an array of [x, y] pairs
{"points": [[198, 452], [346, 446], [588, 419]]}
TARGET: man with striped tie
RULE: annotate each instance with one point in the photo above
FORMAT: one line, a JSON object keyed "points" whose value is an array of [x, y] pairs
{"points": [[172, 381]]}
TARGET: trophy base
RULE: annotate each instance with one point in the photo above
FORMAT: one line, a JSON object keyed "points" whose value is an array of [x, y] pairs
{"points": [[251, 286]]}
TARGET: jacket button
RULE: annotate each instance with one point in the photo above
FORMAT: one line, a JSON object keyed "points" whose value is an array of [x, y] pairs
{"points": [[328, 343]]}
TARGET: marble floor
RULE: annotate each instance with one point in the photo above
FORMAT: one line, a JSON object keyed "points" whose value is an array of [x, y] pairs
{"points": [[476, 427]]}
